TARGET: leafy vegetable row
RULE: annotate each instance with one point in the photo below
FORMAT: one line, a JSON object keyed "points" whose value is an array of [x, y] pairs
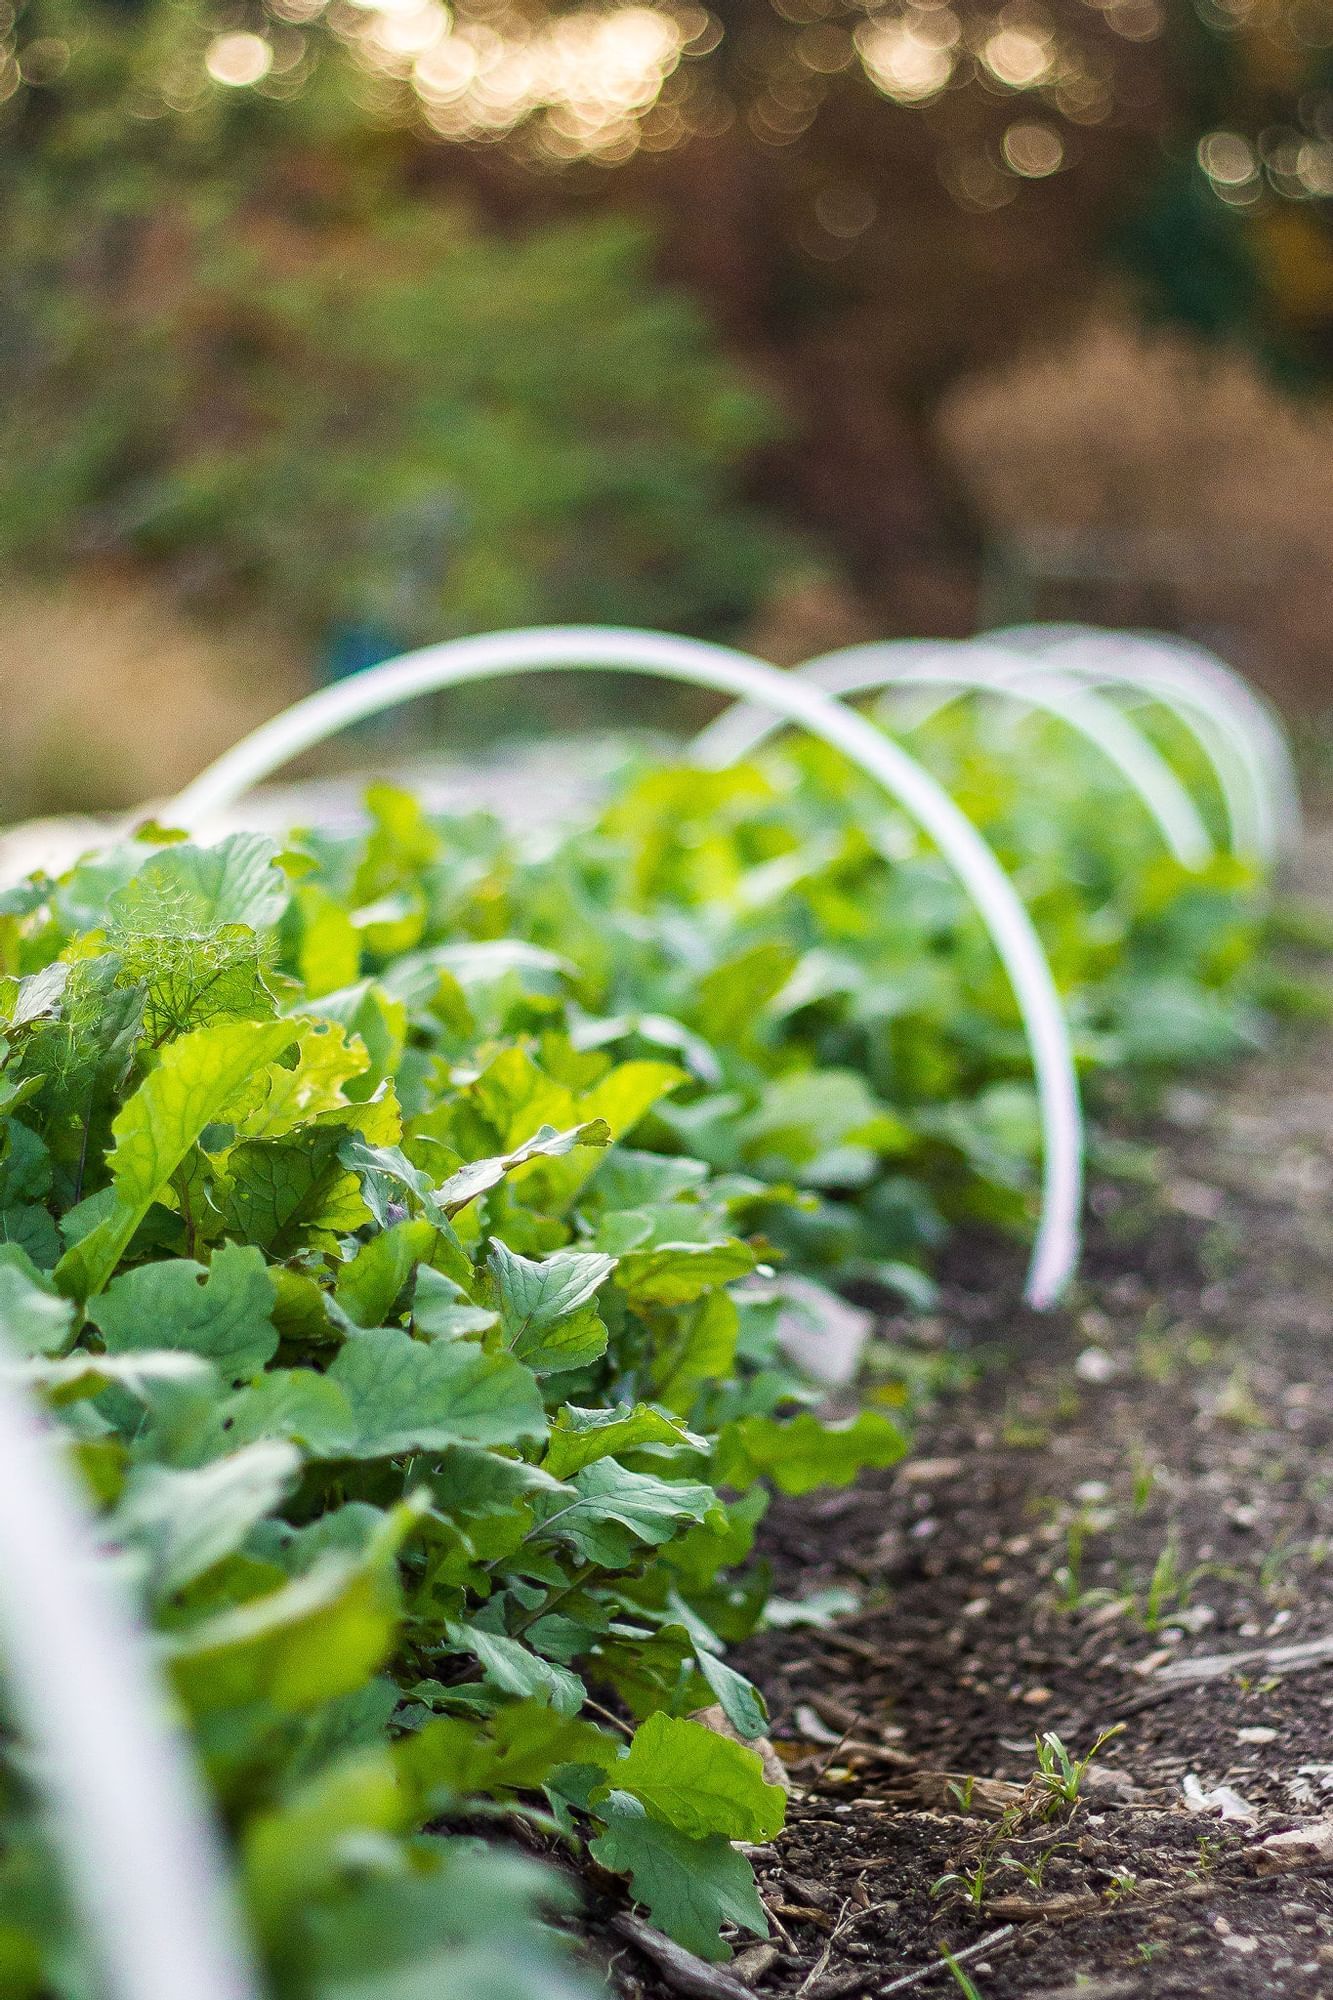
{"points": [[391, 1225], [416, 1401]]}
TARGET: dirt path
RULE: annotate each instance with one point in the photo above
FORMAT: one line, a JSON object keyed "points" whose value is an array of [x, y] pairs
{"points": [[1145, 1479]]}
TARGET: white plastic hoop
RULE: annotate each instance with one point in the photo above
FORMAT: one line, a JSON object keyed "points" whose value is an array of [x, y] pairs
{"points": [[963, 666], [615, 650], [128, 1815], [1239, 733], [1256, 712]]}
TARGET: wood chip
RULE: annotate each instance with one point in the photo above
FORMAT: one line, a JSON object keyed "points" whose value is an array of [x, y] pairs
{"points": [[804, 1913], [1296, 1848], [1050, 1910], [1275, 1659], [926, 1471], [755, 1963]]}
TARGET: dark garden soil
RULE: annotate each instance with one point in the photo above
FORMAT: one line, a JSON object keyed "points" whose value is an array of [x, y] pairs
{"points": [[1142, 1480]]}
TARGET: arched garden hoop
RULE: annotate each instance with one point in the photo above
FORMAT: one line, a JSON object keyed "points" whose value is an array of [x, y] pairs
{"points": [[964, 667], [615, 650], [1238, 732], [128, 1815], [1261, 715]]}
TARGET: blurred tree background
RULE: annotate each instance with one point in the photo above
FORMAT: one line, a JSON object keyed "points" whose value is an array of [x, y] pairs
{"points": [[333, 325]]}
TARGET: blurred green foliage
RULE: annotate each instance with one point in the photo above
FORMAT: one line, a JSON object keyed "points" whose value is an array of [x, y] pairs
{"points": [[238, 343]]}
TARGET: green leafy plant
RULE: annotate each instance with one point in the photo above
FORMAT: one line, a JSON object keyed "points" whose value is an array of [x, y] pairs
{"points": [[422, 1406], [396, 1225]]}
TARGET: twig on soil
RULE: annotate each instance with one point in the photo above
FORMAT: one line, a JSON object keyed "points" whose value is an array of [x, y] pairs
{"points": [[680, 1968], [1277, 1659], [843, 1642], [1181, 1675], [977, 1950]]}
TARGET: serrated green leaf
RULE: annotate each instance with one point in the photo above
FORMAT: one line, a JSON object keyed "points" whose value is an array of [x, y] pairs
{"points": [[579, 1437], [516, 1669], [41, 993], [316, 1083], [223, 1313], [676, 1274], [738, 1698], [275, 1191], [616, 1508], [540, 1305], [34, 1318], [410, 1395], [28, 1226], [698, 1782], [182, 1522], [189, 891], [800, 1453], [689, 1887], [442, 1310], [195, 1082], [515, 1750], [370, 1282], [479, 1176], [533, 1296], [292, 1403]]}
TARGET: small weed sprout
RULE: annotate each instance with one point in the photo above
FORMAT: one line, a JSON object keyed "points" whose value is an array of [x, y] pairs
{"points": [[1144, 1482], [970, 1882], [1072, 1592], [1059, 1776], [1209, 1848], [1033, 1872], [1165, 1585], [1069, 1575], [1170, 1588]]}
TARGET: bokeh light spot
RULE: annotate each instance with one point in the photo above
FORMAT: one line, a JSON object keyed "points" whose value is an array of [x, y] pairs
{"points": [[238, 59], [1033, 150]]}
